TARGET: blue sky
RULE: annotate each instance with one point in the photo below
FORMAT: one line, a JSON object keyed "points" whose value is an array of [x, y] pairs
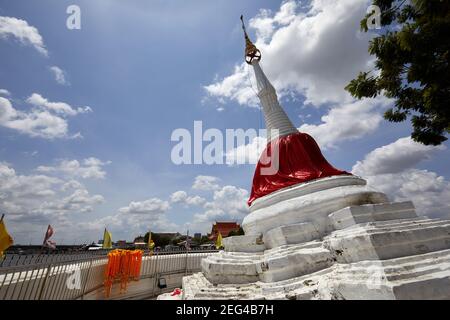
{"points": [[146, 68]]}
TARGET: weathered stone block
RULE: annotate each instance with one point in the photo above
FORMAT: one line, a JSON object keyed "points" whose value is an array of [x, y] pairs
{"points": [[290, 234], [250, 243], [389, 239], [350, 216]]}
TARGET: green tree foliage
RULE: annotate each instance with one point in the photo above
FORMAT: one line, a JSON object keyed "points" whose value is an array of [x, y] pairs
{"points": [[412, 66], [205, 239], [160, 241], [239, 232]]}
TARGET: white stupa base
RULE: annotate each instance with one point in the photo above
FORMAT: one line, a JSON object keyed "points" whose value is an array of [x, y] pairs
{"points": [[333, 238], [310, 202], [424, 276]]}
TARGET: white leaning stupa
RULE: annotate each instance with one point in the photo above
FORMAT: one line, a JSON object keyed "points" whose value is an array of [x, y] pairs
{"points": [[316, 232]]}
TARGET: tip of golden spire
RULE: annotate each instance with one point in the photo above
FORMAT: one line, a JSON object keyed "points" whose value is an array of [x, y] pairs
{"points": [[251, 51]]}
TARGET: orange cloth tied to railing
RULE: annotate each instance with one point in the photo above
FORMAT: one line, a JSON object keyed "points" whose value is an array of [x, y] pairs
{"points": [[123, 265]]}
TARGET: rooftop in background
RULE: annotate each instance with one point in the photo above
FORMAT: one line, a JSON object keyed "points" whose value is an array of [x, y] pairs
{"points": [[224, 227]]}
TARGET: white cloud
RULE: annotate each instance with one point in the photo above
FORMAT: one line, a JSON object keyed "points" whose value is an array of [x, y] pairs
{"points": [[206, 183], [36, 123], [395, 157], [41, 197], [236, 86], [7, 112], [247, 153], [346, 122], [80, 200], [89, 168], [22, 31], [178, 196], [32, 201], [4, 92], [153, 206], [136, 218], [46, 120], [71, 184], [195, 201], [31, 153], [229, 200], [427, 190], [183, 198], [313, 52], [22, 186], [229, 203], [349, 121], [61, 108], [390, 169], [127, 226], [81, 196], [59, 74]]}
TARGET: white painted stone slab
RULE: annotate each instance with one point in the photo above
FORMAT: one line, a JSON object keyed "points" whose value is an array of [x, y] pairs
{"points": [[389, 239], [313, 208], [350, 216], [291, 234], [425, 276], [245, 243], [309, 187]]}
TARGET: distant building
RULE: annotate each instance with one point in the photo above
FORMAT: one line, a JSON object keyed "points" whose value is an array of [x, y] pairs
{"points": [[100, 241], [139, 242], [224, 227], [121, 244], [140, 245], [93, 246], [197, 235]]}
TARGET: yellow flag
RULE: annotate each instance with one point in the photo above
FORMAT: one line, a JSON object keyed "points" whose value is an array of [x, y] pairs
{"points": [[107, 240], [150, 242], [219, 243], [5, 238]]}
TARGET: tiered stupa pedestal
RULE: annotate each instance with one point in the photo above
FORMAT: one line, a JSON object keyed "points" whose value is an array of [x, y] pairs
{"points": [[333, 238]]}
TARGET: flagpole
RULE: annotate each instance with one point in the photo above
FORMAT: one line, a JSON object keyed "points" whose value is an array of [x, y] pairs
{"points": [[45, 238], [45, 235], [1, 220], [186, 247]]}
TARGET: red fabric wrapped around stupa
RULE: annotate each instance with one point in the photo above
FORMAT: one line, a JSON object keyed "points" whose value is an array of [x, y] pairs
{"points": [[300, 160]]}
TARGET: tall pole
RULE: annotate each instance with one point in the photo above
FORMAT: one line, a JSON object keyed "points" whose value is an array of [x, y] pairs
{"points": [[157, 254], [1, 220], [43, 242], [186, 247], [87, 279]]}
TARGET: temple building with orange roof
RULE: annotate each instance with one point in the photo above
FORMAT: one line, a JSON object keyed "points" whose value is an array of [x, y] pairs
{"points": [[224, 227]]}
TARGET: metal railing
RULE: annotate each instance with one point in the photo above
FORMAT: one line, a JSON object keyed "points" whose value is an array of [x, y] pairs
{"points": [[16, 260], [72, 276]]}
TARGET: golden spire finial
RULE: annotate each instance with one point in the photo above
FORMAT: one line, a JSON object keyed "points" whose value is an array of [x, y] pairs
{"points": [[251, 51]]}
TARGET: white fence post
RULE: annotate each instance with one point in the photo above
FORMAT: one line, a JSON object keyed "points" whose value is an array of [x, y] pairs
{"points": [[87, 279], [45, 280]]}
